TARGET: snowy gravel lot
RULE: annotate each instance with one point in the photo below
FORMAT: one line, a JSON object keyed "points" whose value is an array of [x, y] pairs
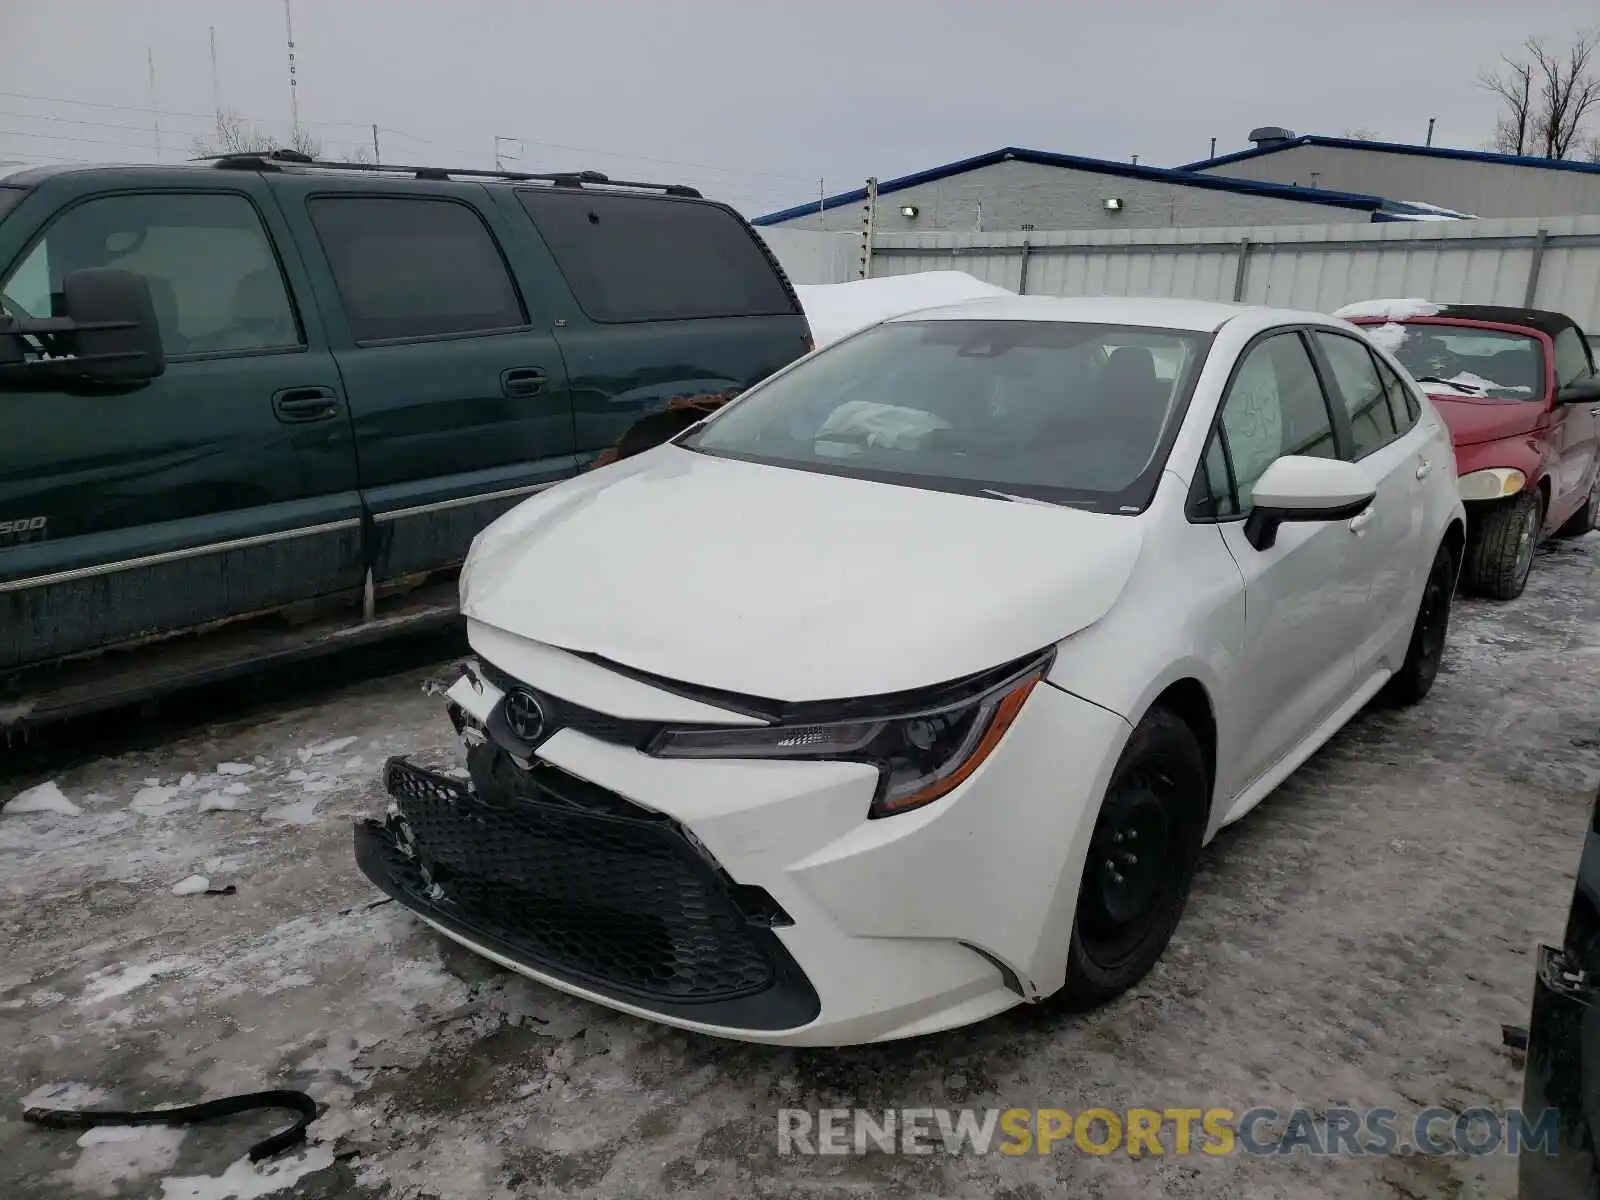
{"points": [[1356, 941]]}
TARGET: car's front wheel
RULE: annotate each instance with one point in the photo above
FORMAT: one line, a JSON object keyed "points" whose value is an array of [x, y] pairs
{"points": [[1415, 677], [1141, 861], [1500, 553]]}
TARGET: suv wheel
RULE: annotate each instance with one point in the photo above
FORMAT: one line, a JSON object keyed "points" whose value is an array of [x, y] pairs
{"points": [[1500, 554], [1141, 860]]}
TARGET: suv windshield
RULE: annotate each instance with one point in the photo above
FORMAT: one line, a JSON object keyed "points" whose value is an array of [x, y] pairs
{"points": [[1481, 362], [1070, 412]]}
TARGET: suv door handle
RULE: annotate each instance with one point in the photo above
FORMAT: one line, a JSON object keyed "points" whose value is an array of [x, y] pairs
{"points": [[522, 381], [1424, 469], [299, 404], [1361, 520]]}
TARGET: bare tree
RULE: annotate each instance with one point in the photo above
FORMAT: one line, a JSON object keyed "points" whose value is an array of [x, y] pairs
{"points": [[235, 135], [1362, 134], [1547, 97]]}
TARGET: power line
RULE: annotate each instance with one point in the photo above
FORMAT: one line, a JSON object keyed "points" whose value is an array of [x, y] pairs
{"points": [[59, 137], [22, 116]]}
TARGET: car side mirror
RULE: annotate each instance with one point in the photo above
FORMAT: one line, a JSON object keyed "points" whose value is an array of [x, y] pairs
{"points": [[1584, 391], [1299, 488], [107, 336]]}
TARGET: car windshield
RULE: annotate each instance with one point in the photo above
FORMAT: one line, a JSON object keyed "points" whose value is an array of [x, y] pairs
{"points": [[1069, 412], [1481, 362]]}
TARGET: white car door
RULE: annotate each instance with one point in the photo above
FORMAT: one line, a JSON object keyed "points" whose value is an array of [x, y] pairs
{"points": [[1389, 535], [1305, 594]]}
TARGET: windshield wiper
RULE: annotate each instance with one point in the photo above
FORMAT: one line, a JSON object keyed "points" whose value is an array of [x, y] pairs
{"points": [[1460, 387]]}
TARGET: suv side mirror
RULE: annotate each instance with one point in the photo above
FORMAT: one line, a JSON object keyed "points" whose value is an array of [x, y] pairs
{"points": [[108, 336], [1298, 488], [1584, 391]]}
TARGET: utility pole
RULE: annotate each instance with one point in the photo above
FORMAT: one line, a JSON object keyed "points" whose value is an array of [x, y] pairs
{"points": [[377, 155], [869, 220], [294, 99], [216, 78], [155, 114], [1431, 122], [822, 204]]}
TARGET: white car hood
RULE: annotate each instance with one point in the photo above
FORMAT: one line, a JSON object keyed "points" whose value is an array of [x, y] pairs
{"points": [[791, 585]]}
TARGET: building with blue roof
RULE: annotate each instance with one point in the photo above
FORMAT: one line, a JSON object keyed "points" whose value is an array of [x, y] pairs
{"points": [[1014, 189], [1472, 181]]}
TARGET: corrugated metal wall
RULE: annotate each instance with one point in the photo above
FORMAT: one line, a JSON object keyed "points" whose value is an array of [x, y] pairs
{"points": [[1549, 262]]}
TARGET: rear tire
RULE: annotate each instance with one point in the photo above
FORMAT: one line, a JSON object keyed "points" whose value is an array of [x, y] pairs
{"points": [[1586, 518], [1500, 550], [1141, 862], [1414, 680]]}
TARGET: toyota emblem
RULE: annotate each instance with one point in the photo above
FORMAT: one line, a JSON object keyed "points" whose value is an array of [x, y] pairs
{"points": [[524, 715]]}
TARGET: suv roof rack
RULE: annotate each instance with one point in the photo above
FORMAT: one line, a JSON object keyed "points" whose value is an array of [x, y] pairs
{"points": [[275, 160]]}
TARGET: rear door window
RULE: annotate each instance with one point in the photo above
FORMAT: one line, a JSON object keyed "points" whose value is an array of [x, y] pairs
{"points": [[1366, 401], [413, 267], [646, 258]]}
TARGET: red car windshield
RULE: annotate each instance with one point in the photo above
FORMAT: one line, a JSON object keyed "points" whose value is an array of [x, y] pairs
{"points": [[1494, 363]]}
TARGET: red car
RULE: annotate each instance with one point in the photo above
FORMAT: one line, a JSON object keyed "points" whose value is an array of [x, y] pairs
{"points": [[1519, 391]]}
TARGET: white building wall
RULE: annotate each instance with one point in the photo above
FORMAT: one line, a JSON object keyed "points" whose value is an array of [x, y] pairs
{"points": [[1484, 189], [1011, 195]]}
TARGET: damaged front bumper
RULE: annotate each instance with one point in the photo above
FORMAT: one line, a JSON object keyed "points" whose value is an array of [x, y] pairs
{"points": [[569, 881]]}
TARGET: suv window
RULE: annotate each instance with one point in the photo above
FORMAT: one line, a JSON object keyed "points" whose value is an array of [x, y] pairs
{"points": [[410, 267], [639, 258], [1572, 358], [1274, 407], [213, 276], [1355, 375]]}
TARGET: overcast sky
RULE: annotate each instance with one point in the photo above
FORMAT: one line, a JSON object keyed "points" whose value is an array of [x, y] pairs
{"points": [[754, 101]]}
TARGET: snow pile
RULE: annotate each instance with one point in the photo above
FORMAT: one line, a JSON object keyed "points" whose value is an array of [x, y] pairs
{"points": [[191, 886], [1388, 310], [836, 310], [44, 798], [245, 1180]]}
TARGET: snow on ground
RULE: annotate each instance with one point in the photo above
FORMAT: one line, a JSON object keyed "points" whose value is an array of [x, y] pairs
{"points": [[42, 798], [1358, 939]]}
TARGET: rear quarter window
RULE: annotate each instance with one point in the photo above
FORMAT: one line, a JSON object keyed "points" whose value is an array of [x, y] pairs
{"points": [[646, 258]]}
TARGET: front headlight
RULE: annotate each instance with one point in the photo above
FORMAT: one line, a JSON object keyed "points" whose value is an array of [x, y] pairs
{"points": [[1493, 483], [921, 755]]}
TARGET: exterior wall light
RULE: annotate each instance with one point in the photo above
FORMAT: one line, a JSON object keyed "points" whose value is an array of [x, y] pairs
{"points": [[1114, 204], [909, 211]]}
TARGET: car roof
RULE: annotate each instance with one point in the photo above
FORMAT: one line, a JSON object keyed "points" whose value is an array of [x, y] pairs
{"points": [[1540, 319], [1200, 316]]}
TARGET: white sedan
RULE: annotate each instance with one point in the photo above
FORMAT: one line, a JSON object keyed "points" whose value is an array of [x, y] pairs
{"points": [[908, 687]]}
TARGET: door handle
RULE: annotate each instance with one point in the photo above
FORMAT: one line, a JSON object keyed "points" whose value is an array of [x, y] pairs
{"points": [[522, 381], [1360, 521], [298, 404], [1424, 469]]}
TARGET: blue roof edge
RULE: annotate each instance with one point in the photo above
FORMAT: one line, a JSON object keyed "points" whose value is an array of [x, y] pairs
{"points": [[1316, 139], [1177, 176]]}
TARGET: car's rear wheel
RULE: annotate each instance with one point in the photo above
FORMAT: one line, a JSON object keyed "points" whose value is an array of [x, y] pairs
{"points": [[1141, 861], [1587, 517], [1414, 679], [1500, 553]]}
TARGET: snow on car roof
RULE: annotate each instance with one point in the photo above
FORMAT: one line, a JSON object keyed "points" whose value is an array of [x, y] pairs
{"points": [[1200, 316]]}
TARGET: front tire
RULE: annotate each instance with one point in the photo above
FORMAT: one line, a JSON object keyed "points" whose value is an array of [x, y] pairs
{"points": [[1500, 552], [1414, 680], [1141, 861]]}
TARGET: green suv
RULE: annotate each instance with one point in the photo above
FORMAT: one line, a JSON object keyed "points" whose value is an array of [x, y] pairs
{"points": [[264, 387]]}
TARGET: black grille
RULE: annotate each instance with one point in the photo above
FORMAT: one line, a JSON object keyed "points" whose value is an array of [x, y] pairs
{"points": [[562, 714], [573, 880]]}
